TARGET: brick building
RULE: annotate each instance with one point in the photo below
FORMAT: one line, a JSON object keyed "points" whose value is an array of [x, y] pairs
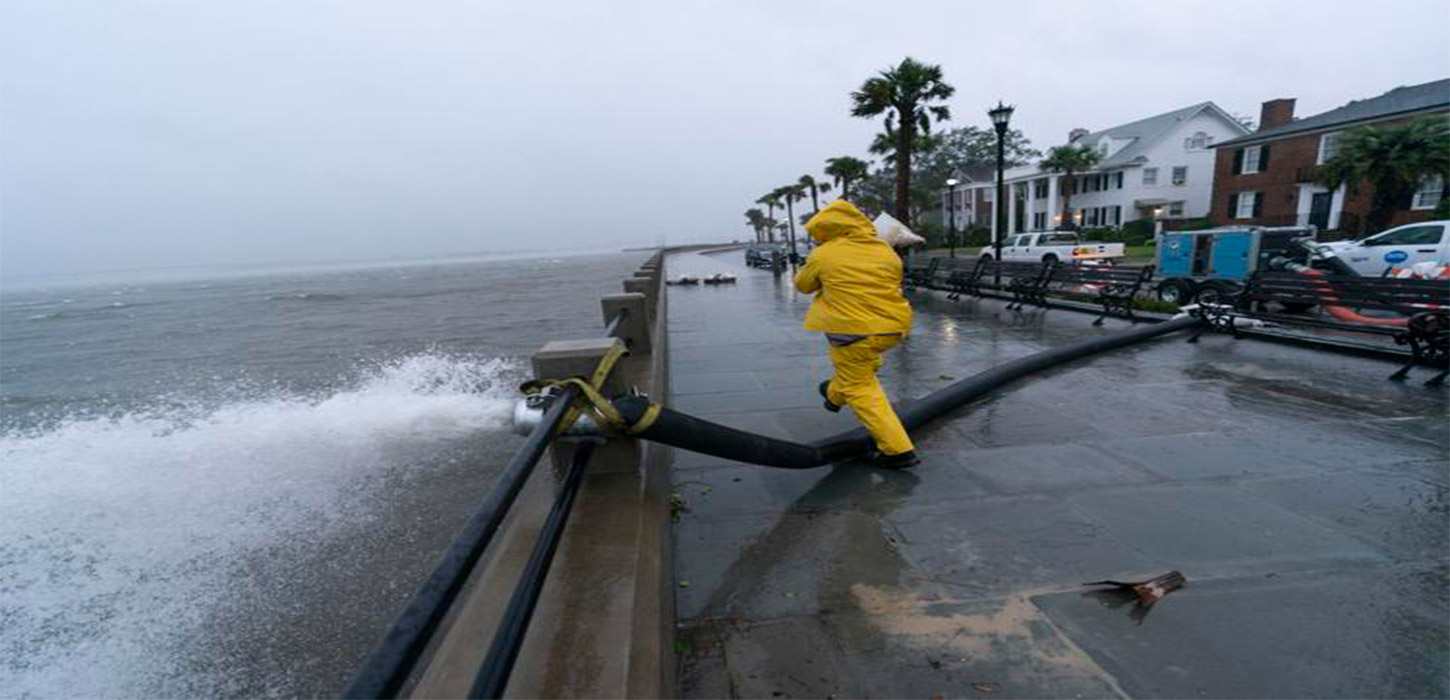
{"points": [[1267, 177]]}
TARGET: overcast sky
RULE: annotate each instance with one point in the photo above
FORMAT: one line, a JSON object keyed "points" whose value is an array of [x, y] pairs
{"points": [[154, 134]]}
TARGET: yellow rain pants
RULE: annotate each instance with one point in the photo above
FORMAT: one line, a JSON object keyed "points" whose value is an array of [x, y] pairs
{"points": [[855, 385]]}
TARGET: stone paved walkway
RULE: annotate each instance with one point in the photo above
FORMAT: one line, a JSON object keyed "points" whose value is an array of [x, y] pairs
{"points": [[1303, 496]]}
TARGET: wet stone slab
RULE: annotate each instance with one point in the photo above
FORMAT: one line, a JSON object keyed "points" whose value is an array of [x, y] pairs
{"points": [[1218, 528], [1302, 495], [1316, 635], [1392, 508]]}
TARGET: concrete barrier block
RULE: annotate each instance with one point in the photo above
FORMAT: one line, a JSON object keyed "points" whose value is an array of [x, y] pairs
{"points": [[650, 291], [559, 359], [634, 330]]}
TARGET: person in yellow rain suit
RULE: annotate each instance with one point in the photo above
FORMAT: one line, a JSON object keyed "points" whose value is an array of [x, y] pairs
{"points": [[856, 277]]}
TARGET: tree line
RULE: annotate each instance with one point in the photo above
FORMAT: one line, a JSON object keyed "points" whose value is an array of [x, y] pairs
{"points": [[917, 157]]}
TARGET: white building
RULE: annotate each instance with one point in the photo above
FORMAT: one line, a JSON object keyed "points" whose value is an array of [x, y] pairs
{"points": [[1161, 166]]}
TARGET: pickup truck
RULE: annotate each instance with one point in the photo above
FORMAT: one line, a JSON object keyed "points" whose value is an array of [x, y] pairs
{"points": [[1054, 247], [1399, 247]]}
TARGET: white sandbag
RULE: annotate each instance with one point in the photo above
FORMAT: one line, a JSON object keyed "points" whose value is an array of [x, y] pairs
{"points": [[895, 233]]}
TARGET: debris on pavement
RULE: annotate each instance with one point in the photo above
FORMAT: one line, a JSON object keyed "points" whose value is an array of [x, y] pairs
{"points": [[1150, 591], [1143, 594]]}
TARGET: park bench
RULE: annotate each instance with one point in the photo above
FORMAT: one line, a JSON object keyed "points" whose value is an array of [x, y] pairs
{"points": [[1025, 280], [1113, 288], [1271, 295], [919, 271], [952, 275]]}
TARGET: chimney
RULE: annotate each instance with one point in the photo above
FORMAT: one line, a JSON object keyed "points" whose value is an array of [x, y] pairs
{"points": [[1276, 113], [1076, 134]]}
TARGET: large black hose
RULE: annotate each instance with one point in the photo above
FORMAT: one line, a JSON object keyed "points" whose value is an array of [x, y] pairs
{"points": [[690, 433]]}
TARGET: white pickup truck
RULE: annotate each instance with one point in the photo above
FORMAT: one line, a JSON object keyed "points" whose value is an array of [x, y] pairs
{"points": [[1399, 247], [1057, 246]]}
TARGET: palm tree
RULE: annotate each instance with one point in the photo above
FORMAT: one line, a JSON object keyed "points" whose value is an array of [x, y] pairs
{"points": [[815, 186], [845, 170], [1394, 159], [884, 145], [756, 219], [1068, 160], [771, 200], [791, 194], [904, 94]]}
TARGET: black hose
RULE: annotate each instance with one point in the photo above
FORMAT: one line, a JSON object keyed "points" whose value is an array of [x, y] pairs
{"points": [[690, 433]]}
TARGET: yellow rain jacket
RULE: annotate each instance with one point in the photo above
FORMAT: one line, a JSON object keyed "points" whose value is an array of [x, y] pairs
{"points": [[857, 274]]}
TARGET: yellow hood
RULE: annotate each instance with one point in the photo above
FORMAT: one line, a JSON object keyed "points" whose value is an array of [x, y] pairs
{"points": [[839, 218]]}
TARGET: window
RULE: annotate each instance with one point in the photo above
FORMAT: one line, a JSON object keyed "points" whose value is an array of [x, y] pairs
{"points": [[1198, 141], [1150, 176], [1103, 148], [1039, 221], [1328, 146], [1119, 178], [1251, 157], [1039, 189], [1117, 215], [1248, 202], [1409, 235], [1091, 216], [1180, 174], [1175, 208], [1428, 196]]}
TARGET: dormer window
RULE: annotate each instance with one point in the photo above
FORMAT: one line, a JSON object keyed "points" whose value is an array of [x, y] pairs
{"points": [[1103, 148]]}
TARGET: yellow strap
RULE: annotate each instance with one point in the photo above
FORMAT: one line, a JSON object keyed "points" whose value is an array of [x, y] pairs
{"points": [[645, 421], [591, 390], [598, 407]]}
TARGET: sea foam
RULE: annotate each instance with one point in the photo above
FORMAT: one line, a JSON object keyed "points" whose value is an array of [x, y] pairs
{"points": [[118, 533]]}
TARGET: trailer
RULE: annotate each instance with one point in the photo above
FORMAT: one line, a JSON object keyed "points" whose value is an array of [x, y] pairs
{"points": [[1190, 262]]}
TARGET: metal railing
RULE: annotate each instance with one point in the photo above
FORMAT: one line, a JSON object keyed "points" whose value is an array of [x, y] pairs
{"points": [[387, 669]]}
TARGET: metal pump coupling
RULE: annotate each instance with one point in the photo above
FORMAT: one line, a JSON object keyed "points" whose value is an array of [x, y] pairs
{"points": [[529, 413]]}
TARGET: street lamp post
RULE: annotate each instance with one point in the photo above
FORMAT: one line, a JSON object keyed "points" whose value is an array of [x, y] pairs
{"points": [[1000, 115], [952, 216]]}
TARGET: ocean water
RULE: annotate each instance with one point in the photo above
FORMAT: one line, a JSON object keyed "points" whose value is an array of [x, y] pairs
{"points": [[230, 486]]}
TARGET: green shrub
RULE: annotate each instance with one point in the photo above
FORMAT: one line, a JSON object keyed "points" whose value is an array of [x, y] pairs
{"points": [[935, 235], [1195, 225], [977, 236], [1100, 235], [1137, 232]]}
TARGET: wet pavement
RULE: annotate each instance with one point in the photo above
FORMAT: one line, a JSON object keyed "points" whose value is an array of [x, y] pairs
{"points": [[1303, 496]]}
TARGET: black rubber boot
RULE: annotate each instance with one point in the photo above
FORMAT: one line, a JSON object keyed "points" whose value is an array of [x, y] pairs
{"points": [[897, 461], [833, 408]]}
